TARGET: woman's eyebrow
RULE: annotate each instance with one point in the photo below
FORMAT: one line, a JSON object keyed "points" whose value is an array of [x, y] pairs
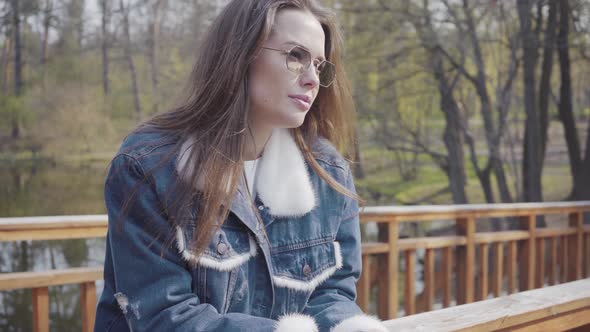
{"points": [[307, 49]]}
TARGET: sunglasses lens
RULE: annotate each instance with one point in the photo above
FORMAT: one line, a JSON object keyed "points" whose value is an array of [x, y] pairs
{"points": [[298, 60], [327, 73]]}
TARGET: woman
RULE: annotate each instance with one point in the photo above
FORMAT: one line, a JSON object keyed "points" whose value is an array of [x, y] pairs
{"points": [[233, 211]]}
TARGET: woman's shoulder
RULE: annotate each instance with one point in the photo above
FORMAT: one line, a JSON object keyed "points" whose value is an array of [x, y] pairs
{"points": [[326, 153], [142, 143]]}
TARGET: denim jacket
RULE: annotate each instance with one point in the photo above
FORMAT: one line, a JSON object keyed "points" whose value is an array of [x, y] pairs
{"points": [[299, 277]]}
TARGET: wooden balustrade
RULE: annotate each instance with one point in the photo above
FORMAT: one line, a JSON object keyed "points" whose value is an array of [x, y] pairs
{"points": [[564, 307], [40, 282], [481, 264], [520, 259]]}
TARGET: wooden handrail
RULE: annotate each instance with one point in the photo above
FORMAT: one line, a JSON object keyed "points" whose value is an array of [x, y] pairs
{"points": [[556, 308], [443, 212], [480, 262], [23, 280], [40, 281]]}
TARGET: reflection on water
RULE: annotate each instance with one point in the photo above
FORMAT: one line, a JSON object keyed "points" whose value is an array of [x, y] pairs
{"points": [[37, 189]]}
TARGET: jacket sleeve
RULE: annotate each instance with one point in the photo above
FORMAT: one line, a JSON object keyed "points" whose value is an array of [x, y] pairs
{"points": [[332, 303], [152, 284]]}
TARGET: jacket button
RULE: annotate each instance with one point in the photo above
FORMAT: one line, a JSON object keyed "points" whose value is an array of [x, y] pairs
{"points": [[261, 207], [221, 248], [307, 270]]}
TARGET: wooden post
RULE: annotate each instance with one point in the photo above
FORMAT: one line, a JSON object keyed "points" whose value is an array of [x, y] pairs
{"points": [[527, 255], [383, 270], [511, 267], [587, 256], [88, 305], [540, 274], [387, 298], [363, 286], [564, 259], [392, 270], [498, 253], [429, 278], [483, 271], [41, 309], [447, 275], [553, 260], [410, 292], [576, 246], [465, 260]]}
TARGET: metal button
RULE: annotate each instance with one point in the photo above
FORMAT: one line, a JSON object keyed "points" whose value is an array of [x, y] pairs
{"points": [[261, 207], [307, 270], [222, 248]]}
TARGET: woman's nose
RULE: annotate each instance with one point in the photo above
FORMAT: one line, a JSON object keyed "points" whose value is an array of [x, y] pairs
{"points": [[310, 77]]}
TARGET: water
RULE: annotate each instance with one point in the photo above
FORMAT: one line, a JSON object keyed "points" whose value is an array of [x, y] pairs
{"points": [[42, 189]]}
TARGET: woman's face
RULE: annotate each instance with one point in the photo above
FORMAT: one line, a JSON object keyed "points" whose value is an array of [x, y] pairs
{"points": [[280, 98]]}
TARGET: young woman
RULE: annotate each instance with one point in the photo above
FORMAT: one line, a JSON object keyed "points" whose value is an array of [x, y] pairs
{"points": [[234, 211]]}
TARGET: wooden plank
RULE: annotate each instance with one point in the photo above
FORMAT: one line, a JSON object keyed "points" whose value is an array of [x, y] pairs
{"points": [[363, 286], [466, 261], [429, 278], [527, 254], [41, 309], [410, 291], [53, 222], [447, 275], [498, 256], [392, 269], [504, 312], [383, 284], [491, 237], [373, 248], [53, 234], [576, 246], [555, 232], [432, 242], [21, 280], [540, 274], [465, 211], [553, 261], [564, 259], [563, 322], [511, 267], [88, 305], [482, 285]]}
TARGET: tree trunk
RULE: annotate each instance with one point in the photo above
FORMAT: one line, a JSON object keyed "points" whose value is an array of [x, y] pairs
{"points": [[580, 174], [154, 54], [47, 14], [546, 69], [106, 19], [129, 59], [18, 65], [532, 190]]}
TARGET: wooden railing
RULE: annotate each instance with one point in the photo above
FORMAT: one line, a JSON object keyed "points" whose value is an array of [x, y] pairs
{"points": [[563, 307], [516, 259], [518, 256]]}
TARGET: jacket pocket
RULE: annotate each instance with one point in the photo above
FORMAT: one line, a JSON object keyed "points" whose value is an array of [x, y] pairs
{"points": [[299, 269], [215, 271]]}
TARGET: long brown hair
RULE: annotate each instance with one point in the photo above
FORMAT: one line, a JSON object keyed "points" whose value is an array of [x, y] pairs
{"points": [[213, 114]]}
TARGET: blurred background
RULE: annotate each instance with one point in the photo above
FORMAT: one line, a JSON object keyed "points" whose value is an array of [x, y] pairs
{"points": [[458, 101]]}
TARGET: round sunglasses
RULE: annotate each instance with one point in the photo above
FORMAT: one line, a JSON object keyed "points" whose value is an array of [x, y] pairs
{"points": [[298, 60]]}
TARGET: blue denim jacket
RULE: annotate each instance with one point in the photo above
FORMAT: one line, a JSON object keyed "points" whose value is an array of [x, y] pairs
{"points": [[300, 277]]}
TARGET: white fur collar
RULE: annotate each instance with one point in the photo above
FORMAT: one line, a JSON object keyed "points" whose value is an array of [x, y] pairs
{"points": [[283, 183]]}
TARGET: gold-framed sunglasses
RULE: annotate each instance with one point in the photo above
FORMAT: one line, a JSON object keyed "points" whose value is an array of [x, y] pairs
{"points": [[298, 59]]}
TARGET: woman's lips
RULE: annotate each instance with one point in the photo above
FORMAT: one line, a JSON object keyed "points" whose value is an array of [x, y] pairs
{"points": [[300, 102]]}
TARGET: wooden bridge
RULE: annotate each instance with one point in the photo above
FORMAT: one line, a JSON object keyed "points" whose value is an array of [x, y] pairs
{"points": [[457, 269]]}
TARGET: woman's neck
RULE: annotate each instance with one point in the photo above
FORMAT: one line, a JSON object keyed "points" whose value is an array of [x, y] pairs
{"points": [[256, 138]]}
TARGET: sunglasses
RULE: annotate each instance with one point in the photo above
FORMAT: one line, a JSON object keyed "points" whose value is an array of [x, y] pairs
{"points": [[299, 59]]}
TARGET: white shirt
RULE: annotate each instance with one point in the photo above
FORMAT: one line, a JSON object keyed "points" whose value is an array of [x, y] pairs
{"points": [[250, 167]]}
